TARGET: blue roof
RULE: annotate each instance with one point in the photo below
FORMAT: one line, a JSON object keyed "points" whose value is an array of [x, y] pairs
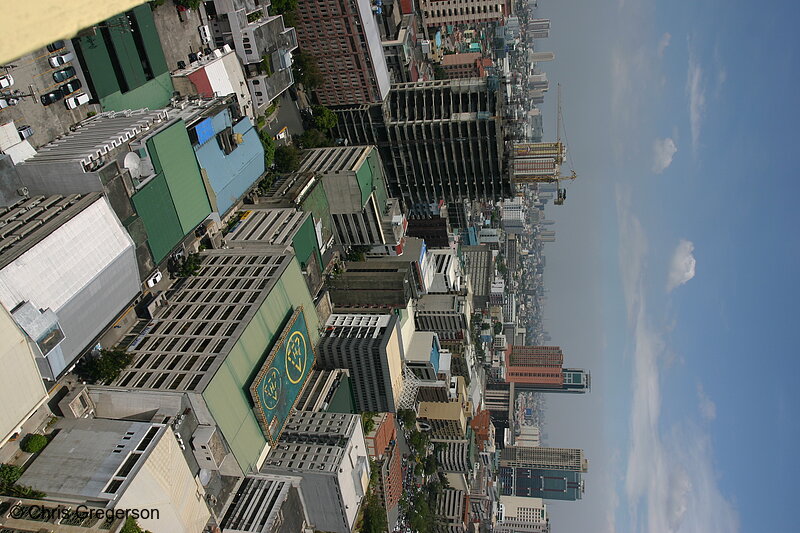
{"points": [[233, 174]]}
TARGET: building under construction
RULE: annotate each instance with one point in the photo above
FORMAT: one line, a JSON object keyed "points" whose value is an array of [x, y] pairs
{"points": [[439, 141]]}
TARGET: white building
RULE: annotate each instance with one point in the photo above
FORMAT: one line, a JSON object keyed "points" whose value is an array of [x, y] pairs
{"points": [[118, 464], [328, 451]]}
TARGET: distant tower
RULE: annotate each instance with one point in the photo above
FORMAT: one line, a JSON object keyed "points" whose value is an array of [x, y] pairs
{"points": [[540, 57], [539, 368]]}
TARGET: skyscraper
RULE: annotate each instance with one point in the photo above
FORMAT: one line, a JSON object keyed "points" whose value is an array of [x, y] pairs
{"points": [[539, 369], [439, 140], [369, 347], [569, 459]]}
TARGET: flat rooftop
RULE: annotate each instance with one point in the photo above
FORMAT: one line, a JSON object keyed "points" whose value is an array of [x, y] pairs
{"points": [[92, 459], [28, 221], [184, 346]]}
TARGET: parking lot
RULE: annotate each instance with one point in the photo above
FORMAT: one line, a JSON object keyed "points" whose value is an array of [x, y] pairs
{"points": [[33, 77]]}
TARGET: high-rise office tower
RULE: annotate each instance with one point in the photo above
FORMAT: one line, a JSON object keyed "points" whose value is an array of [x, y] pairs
{"points": [[538, 25], [540, 57], [570, 459], [539, 369], [345, 41], [563, 485], [369, 347], [439, 141], [436, 13], [552, 473]]}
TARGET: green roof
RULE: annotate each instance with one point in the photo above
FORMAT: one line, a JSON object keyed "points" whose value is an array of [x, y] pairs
{"points": [[228, 393], [125, 63], [173, 203], [305, 243], [154, 205], [172, 155], [317, 204]]}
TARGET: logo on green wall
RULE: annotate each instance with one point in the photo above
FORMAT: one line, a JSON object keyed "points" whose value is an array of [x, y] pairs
{"points": [[282, 376]]}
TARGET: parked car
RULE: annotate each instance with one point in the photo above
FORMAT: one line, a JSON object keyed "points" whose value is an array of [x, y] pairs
{"points": [[153, 280], [76, 100], [53, 47], [24, 132], [61, 59], [70, 87], [52, 97], [6, 81], [64, 74], [7, 101]]}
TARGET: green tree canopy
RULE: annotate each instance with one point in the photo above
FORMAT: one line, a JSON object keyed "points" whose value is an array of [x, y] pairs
{"points": [[287, 158], [306, 71], [106, 367], [313, 138], [324, 118]]}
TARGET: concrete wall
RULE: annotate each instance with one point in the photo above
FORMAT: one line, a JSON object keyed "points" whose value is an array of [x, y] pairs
{"points": [[21, 388], [164, 482]]}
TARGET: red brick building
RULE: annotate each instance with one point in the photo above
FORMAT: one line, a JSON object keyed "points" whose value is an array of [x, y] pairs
{"points": [[382, 447], [345, 40], [466, 65], [541, 366]]}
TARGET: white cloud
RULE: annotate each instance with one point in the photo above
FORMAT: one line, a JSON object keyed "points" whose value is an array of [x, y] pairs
{"points": [[682, 266], [663, 152], [708, 409], [696, 90], [663, 44], [670, 482]]}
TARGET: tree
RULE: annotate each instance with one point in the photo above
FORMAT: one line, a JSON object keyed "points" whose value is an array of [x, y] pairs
{"points": [[313, 138], [407, 416], [357, 253], [324, 118], [131, 526], [306, 71], [269, 147], [368, 422], [287, 159], [106, 367], [33, 443], [9, 474], [429, 465], [188, 266]]}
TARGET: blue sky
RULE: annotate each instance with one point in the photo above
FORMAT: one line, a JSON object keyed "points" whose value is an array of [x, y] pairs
{"points": [[673, 278]]}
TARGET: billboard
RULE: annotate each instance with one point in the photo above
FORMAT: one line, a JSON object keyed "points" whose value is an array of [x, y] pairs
{"points": [[278, 384]]}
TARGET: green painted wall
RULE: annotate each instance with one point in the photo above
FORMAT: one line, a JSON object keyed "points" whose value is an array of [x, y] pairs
{"points": [[152, 43], [228, 394], [317, 204], [154, 205], [172, 155], [305, 243]]}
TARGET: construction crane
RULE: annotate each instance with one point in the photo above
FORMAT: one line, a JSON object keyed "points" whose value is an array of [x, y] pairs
{"points": [[562, 193]]}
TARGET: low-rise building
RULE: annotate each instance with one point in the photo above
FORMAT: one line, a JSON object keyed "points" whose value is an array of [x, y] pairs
{"points": [[262, 42], [384, 450], [118, 464], [57, 254], [217, 74]]}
